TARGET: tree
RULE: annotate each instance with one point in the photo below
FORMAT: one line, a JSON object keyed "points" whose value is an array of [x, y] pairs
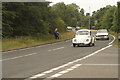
{"points": [[25, 19], [68, 13], [82, 12], [108, 18], [103, 17], [118, 18], [114, 26]]}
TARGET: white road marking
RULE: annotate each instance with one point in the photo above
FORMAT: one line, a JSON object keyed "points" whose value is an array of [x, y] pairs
{"points": [[39, 75], [25, 48], [56, 49], [46, 72], [28, 54], [72, 68], [55, 75], [72, 62], [55, 69], [64, 71], [68, 40], [9, 51], [101, 64], [49, 50], [112, 41], [69, 69], [18, 57], [35, 47], [34, 77]]}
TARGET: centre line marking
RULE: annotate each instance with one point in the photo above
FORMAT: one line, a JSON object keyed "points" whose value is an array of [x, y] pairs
{"points": [[18, 57], [69, 63], [56, 49]]}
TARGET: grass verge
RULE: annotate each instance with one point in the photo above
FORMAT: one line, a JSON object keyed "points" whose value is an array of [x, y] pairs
{"points": [[21, 42]]}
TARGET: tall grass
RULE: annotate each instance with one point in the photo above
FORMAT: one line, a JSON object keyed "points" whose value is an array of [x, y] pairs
{"points": [[21, 42]]}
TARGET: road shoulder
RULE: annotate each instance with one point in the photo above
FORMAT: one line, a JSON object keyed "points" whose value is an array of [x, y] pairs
{"points": [[101, 65]]}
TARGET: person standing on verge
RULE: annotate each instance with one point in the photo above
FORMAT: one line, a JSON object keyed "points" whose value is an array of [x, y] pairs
{"points": [[56, 33]]}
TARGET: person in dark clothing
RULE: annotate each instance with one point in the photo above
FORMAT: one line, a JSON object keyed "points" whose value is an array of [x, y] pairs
{"points": [[56, 33]]}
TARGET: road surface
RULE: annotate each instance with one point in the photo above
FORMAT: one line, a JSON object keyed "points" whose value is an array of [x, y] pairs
{"points": [[47, 60]]}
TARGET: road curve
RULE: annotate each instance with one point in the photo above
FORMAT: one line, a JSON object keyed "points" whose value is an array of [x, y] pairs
{"points": [[28, 62]]}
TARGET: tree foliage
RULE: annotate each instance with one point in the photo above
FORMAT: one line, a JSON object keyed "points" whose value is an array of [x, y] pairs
{"points": [[118, 17], [38, 18], [106, 18], [35, 19], [25, 19]]}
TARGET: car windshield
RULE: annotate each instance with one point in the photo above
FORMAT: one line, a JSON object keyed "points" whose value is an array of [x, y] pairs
{"points": [[102, 31], [82, 33]]}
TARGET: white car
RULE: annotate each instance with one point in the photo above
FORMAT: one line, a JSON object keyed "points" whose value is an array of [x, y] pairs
{"points": [[77, 28], [69, 28], [83, 37], [102, 34]]}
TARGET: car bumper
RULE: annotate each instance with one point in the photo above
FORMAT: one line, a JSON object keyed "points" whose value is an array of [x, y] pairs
{"points": [[81, 43], [102, 37]]}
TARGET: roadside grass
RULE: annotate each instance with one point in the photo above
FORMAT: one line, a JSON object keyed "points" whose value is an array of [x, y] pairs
{"points": [[22, 42]]}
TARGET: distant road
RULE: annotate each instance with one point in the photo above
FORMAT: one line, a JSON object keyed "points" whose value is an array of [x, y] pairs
{"points": [[27, 62]]}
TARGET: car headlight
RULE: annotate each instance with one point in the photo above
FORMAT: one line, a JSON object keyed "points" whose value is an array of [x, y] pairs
{"points": [[87, 40], [97, 36], [106, 36], [75, 40]]}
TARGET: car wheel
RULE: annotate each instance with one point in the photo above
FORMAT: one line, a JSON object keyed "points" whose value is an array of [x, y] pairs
{"points": [[90, 44], [74, 45], [107, 38], [97, 39], [93, 44]]}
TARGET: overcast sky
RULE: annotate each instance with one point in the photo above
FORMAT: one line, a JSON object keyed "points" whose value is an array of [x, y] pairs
{"points": [[94, 4]]}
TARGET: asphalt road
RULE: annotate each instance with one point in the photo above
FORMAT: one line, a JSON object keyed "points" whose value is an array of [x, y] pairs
{"points": [[27, 62]]}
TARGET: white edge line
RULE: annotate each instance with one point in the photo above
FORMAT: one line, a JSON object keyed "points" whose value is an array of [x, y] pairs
{"points": [[33, 47], [112, 41], [53, 69]]}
